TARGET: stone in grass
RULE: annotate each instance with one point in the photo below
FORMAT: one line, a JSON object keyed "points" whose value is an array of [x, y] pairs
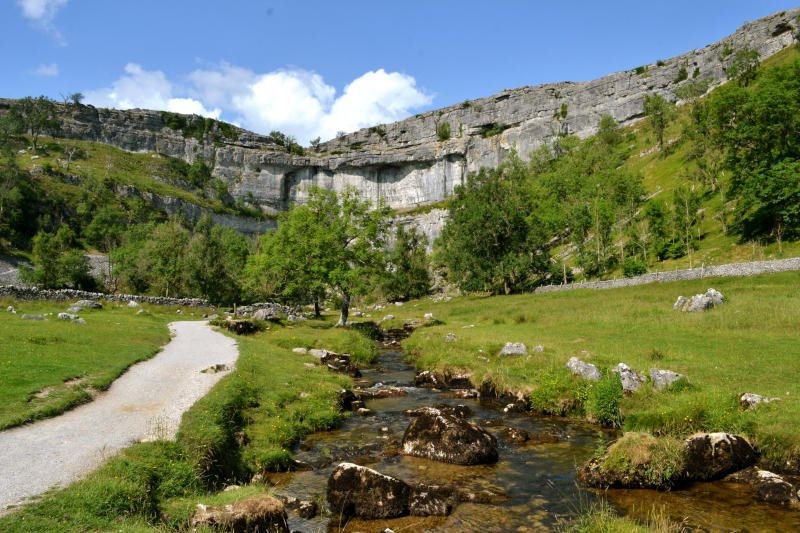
{"points": [[300, 350], [32, 317], [428, 316], [583, 369], [133, 303], [514, 348], [259, 513], [79, 321], [74, 309], [88, 304], [663, 378], [67, 316], [440, 436], [450, 337], [630, 379], [140, 312], [388, 317], [10, 309], [699, 302], [749, 400]]}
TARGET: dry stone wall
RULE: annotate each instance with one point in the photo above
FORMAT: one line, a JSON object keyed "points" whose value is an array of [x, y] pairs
{"points": [[721, 271], [60, 295]]}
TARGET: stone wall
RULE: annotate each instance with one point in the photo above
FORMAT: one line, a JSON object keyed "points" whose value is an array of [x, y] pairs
{"points": [[30, 293], [721, 271]]}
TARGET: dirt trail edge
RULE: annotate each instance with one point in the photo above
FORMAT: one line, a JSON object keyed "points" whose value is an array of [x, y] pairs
{"points": [[145, 403]]}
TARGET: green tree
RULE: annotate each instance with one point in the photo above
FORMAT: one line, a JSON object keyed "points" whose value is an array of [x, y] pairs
{"points": [[744, 66], [493, 240], [659, 112], [57, 266], [199, 174], [758, 130], [36, 116], [214, 261], [336, 242], [686, 206], [608, 130], [407, 275]]}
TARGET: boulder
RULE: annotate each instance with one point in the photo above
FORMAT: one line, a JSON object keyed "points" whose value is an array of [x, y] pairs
{"points": [[10, 309], [459, 381], [585, 370], [713, 455], [767, 486], [265, 314], [300, 350], [358, 314], [460, 410], [133, 303], [259, 513], [663, 378], [631, 380], [67, 316], [319, 354], [514, 348], [362, 492], [441, 436], [699, 302], [88, 304], [307, 509], [79, 321], [428, 316], [538, 348], [295, 318], [140, 312], [379, 391], [32, 317], [388, 317], [428, 379], [750, 401], [450, 337], [74, 309], [516, 435]]}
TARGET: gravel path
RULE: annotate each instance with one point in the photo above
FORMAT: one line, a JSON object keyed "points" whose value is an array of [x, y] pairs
{"points": [[143, 404]]}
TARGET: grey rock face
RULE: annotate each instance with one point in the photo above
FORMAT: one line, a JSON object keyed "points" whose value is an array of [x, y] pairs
{"points": [[405, 162], [631, 380], [440, 436], [514, 348], [663, 378], [585, 370]]}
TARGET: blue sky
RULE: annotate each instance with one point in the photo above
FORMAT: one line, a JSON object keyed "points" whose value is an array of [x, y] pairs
{"points": [[315, 68]]}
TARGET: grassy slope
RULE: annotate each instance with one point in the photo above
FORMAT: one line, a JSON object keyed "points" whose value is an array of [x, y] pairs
{"points": [[747, 345], [666, 172], [126, 168], [37, 355], [155, 486]]}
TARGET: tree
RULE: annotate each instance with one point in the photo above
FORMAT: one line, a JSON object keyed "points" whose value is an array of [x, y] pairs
{"points": [[608, 130], [493, 240], [407, 275], [336, 242], [744, 66], [659, 112], [36, 116], [757, 128], [76, 98], [57, 266], [687, 217], [214, 261]]}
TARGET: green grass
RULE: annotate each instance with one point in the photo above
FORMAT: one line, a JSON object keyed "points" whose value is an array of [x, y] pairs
{"points": [[38, 357], [155, 486], [601, 518], [102, 161], [747, 345]]}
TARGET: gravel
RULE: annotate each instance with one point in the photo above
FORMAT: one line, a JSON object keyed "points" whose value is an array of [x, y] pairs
{"points": [[145, 403]]}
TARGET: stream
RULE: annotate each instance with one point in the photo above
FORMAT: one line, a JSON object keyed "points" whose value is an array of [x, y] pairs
{"points": [[533, 485]]}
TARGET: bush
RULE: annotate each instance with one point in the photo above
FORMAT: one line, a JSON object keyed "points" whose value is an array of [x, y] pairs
{"points": [[198, 174], [602, 405], [491, 129], [633, 267], [443, 131], [682, 75]]}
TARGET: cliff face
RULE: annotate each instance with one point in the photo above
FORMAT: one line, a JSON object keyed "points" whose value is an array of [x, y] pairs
{"points": [[406, 163]]}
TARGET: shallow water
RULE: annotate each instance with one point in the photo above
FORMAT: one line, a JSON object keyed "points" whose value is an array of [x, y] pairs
{"points": [[535, 483]]}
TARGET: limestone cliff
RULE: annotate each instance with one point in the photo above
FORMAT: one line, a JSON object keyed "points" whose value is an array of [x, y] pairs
{"points": [[406, 163]]}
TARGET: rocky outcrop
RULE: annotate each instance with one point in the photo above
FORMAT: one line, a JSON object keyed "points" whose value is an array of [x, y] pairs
{"points": [[664, 378], [441, 436], [585, 370], [259, 513], [630, 379], [748, 400], [699, 302], [406, 163]]}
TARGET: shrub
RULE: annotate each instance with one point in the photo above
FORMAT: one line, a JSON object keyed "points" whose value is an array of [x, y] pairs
{"points": [[633, 267], [491, 129], [641, 70], [443, 131], [660, 63], [682, 75], [602, 405]]}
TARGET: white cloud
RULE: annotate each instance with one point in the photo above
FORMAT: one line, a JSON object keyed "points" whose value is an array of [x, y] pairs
{"points": [[295, 101], [46, 70], [300, 103], [148, 90], [42, 12]]}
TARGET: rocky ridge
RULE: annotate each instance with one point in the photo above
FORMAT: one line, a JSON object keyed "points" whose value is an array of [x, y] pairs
{"points": [[407, 163]]}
